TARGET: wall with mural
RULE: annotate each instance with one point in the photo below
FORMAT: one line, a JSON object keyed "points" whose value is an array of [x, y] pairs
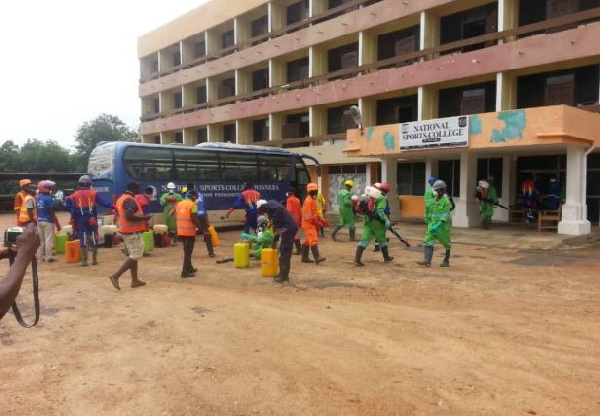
{"points": [[335, 182]]}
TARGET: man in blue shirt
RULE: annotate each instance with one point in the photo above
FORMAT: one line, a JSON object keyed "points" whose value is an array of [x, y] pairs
{"points": [[46, 221]]}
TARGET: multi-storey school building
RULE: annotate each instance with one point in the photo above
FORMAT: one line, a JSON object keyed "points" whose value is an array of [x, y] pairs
{"points": [[508, 88]]}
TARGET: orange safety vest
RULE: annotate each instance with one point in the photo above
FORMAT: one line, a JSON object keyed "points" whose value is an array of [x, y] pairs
{"points": [[23, 214], [127, 226], [294, 208], [185, 225], [309, 211], [19, 201]]}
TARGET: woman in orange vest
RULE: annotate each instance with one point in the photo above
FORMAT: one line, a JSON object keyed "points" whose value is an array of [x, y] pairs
{"points": [[131, 226], [310, 224], [295, 209], [28, 211], [187, 222]]}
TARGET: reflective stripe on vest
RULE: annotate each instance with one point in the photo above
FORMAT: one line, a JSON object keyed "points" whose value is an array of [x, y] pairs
{"points": [[23, 214], [185, 225], [126, 226]]}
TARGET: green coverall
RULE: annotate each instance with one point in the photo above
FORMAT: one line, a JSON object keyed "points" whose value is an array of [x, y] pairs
{"points": [[264, 240], [438, 228], [170, 219], [376, 224], [346, 208], [486, 207], [429, 199]]}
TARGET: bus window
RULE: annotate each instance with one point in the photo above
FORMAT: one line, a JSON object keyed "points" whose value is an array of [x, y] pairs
{"points": [[274, 168], [239, 167], [193, 165], [149, 164], [302, 176]]}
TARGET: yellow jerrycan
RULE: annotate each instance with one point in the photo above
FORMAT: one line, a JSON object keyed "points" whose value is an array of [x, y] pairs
{"points": [[269, 262], [241, 255], [214, 237]]}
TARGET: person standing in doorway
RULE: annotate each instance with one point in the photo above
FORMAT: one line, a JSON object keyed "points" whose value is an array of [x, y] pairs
{"points": [[131, 226], [46, 221], [346, 209], [438, 228], [247, 200]]}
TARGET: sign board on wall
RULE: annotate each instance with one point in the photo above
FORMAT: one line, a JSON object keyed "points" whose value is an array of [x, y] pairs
{"points": [[434, 134]]}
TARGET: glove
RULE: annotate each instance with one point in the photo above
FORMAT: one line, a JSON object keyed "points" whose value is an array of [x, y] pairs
{"points": [[245, 237], [436, 227], [387, 224], [170, 199]]}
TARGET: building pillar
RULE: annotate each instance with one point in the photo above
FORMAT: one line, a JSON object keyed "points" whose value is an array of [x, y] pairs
{"points": [[508, 185], [318, 121], [389, 174], [317, 61], [427, 103], [243, 131], [242, 30], [429, 32], [275, 125], [211, 89], [243, 82], [574, 211], [431, 168], [316, 7], [277, 16], [277, 73], [215, 132], [213, 42], [508, 17], [467, 210], [506, 92], [368, 111], [367, 48]]}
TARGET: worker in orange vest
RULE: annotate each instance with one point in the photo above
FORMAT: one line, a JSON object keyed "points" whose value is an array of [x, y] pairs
{"points": [[187, 223], [310, 224], [131, 226], [294, 207], [20, 196], [28, 211]]}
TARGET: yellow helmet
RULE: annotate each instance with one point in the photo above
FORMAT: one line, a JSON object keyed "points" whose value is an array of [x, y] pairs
{"points": [[349, 183], [184, 190], [312, 187]]}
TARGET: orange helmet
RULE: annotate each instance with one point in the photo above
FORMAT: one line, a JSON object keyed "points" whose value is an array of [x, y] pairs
{"points": [[24, 182], [312, 187]]}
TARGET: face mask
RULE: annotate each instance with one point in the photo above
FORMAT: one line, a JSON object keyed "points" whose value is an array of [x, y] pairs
{"points": [[435, 193], [171, 191]]}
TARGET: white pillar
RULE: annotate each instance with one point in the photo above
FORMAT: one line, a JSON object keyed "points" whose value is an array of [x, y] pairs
{"points": [[467, 210], [507, 183], [389, 174], [574, 211], [431, 168]]}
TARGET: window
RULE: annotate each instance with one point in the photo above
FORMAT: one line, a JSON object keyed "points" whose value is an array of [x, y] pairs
{"points": [[449, 172], [343, 57], [468, 24], [397, 43], [179, 137], [201, 95], [397, 110], [346, 169], [226, 89], [155, 65], [260, 79], [202, 135], [157, 139], [200, 49], [260, 26], [260, 130], [274, 168], [297, 70], [229, 133], [239, 167], [178, 100], [149, 164], [228, 39], [177, 58], [297, 12], [491, 167], [411, 178], [471, 99], [192, 165], [156, 104], [560, 89], [339, 120]]}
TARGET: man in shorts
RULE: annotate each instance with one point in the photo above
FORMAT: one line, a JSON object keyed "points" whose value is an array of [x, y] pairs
{"points": [[132, 223]]}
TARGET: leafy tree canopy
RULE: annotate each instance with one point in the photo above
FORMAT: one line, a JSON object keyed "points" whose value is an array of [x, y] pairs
{"points": [[105, 127]]}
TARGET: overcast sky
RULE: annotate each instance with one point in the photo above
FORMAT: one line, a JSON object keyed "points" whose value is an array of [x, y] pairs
{"points": [[64, 62]]}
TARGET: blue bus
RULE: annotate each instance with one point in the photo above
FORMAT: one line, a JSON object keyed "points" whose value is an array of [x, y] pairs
{"points": [[219, 170]]}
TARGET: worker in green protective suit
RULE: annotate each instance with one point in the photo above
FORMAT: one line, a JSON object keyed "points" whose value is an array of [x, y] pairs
{"points": [[263, 239], [168, 200], [375, 226], [346, 207], [438, 228], [428, 197], [488, 198]]}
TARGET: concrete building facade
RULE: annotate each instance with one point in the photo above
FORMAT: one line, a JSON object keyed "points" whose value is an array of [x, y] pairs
{"points": [[285, 73]]}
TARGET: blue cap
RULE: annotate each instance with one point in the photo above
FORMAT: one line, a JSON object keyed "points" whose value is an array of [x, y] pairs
{"points": [[431, 180]]}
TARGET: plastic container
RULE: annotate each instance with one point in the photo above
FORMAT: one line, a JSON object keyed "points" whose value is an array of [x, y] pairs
{"points": [[148, 237], [241, 255], [269, 262], [72, 253], [67, 229], [60, 242], [159, 229], [214, 237]]}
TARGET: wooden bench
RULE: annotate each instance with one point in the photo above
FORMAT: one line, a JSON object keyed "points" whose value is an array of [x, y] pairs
{"points": [[516, 213], [549, 219]]}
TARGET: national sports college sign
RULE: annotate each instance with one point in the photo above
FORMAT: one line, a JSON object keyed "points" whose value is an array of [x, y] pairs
{"points": [[435, 134]]}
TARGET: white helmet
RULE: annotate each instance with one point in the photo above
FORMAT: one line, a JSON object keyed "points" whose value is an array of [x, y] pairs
{"points": [[373, 192], [171, 185], [484, 184], [260, 203]]}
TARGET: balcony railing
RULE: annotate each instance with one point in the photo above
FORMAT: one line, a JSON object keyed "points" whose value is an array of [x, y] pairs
{"points": [[587, 16]]}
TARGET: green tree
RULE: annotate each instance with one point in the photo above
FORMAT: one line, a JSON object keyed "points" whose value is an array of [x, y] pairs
{"points": [[9, 152], [48, 156], [106, 128]]}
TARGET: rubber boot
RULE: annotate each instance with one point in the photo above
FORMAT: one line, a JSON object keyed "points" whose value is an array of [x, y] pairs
{"points": [[427, 255], [446, 261], [386, 254], [209, 246], [305, 257], [352, 233], [84, 256], [358, 255], [284, 275], [95, 256], [316, 255], [298, 247], [376, 248], [334, 232]]}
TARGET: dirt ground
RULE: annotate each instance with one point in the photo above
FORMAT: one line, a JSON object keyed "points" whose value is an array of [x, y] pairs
{"points": [[501, 332]]}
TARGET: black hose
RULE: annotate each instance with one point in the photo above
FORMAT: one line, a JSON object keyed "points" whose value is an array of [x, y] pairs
{"points": [[36, 298]]}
